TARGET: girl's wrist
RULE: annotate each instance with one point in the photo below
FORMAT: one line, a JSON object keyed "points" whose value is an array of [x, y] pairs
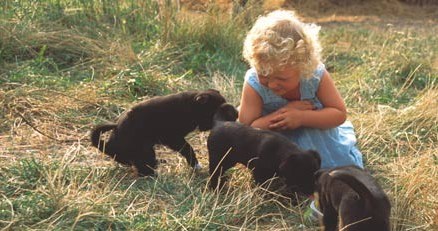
{"points": [[260, 123], [322, 119]]}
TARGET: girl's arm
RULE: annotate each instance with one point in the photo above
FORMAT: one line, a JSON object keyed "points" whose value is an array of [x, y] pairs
{"points": [[250, 109], [333, 114]]}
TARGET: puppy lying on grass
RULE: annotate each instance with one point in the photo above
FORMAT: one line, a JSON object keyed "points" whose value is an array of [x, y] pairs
{"points": [[266, 153], [353, 197], [160, 120]]}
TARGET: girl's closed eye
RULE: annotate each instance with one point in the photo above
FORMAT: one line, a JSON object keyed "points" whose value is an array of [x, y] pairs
{"points": [[266, 79], [280, 79]]}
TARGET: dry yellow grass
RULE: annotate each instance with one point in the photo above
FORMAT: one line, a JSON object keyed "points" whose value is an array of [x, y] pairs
{"points": [[406, 164]]}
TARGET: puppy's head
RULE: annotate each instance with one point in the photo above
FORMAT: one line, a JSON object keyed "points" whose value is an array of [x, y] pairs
{"points": [[299, 171], [206, 104], [226, 112]]}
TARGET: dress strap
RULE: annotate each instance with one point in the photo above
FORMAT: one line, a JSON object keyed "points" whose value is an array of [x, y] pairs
{"points": [[309, 86], [252, 79]]}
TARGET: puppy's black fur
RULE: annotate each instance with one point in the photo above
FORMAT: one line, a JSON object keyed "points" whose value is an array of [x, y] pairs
{"points": [[160, 120], [266, 153], [352, 196]]}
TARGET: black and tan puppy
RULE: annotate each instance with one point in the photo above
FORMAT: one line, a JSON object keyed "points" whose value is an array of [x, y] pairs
{"points": [[160, 120], [353, 197], [266, 153]]}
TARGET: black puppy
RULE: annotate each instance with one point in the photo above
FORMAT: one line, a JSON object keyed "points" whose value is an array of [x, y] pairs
{"points": [[160, 120], [266, 153], [352, 196]]}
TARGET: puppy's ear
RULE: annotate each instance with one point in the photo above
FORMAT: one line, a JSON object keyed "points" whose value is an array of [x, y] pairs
{"points": [[202, 98], [319, 173], [285, 165], [214, 90], [316, 157], [318, 180]]}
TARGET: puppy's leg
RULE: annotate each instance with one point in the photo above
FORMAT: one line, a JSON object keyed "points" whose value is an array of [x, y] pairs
{"points": [[330, 218], [180, 145], [145, 163], [353, 215], [261, 173], [217, 168]]}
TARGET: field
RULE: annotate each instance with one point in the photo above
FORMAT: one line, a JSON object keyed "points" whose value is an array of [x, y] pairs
{"points": [[68, 65]]}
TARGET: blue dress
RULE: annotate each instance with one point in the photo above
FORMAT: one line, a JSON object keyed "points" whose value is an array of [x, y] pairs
{"points": [[337, 146]]}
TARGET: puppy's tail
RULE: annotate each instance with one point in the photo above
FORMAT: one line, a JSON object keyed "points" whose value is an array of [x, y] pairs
{"points": [[95, 134], [364, 184]]}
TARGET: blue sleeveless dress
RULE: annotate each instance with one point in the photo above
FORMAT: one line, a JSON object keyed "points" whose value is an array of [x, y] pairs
{"points": [[337, 146]]}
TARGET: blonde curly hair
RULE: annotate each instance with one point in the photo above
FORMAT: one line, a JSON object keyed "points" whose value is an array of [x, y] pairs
{"points": [[280, 40]]}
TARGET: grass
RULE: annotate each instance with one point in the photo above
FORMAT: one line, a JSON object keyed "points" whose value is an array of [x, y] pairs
{"points": [[67, 65]]}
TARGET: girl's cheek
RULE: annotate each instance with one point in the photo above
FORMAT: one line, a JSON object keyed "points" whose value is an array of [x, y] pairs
{"points": [[263, 82]]}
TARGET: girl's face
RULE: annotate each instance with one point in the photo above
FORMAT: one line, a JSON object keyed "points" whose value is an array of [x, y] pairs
{"points": [[282, 82]]}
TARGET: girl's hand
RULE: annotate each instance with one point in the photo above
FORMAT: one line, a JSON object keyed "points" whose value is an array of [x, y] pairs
{"points": [[286, 118], [289, 116]]}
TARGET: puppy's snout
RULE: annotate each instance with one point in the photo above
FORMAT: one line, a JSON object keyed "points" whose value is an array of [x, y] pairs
{"points": [[304, 189], [228, 112]]}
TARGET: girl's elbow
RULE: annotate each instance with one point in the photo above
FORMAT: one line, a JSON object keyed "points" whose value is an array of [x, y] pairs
{"points": [[243, 120], [342, 117]]}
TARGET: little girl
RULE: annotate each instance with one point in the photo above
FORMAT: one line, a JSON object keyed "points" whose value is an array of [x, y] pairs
{"points": [[289, 90]]}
